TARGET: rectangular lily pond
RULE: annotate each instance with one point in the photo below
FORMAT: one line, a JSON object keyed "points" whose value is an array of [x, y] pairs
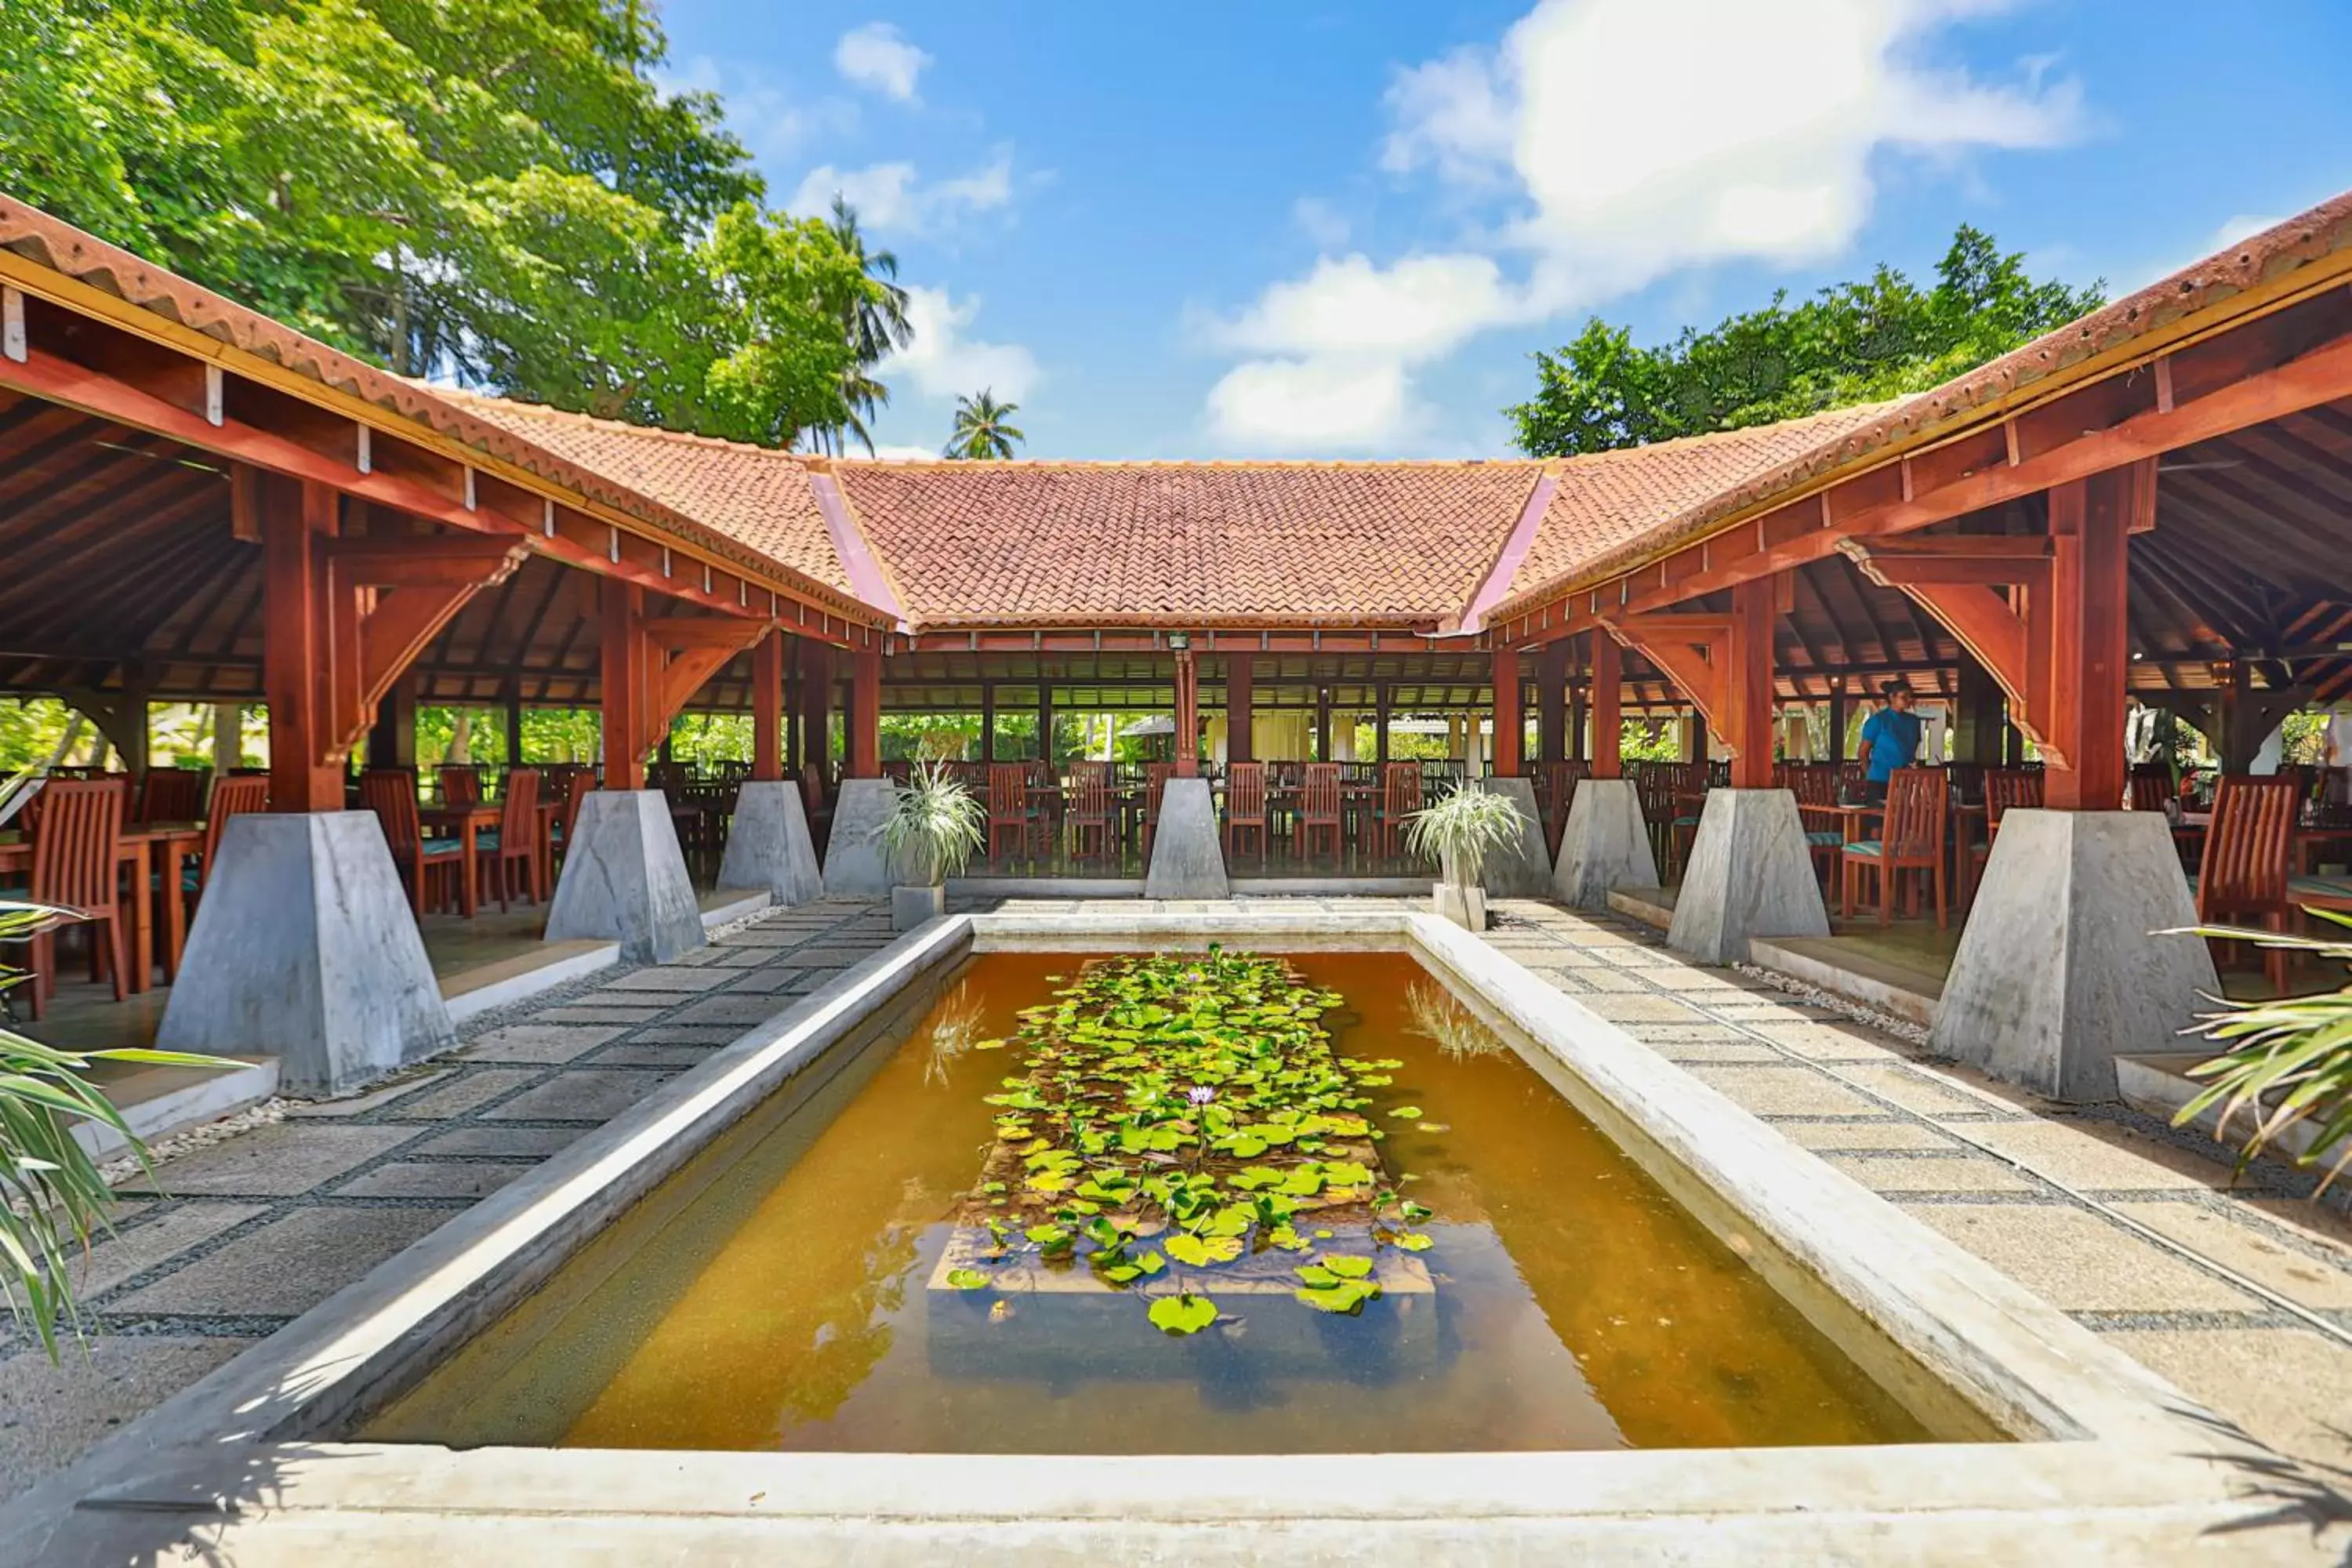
{"points": [[1213, 1202]]}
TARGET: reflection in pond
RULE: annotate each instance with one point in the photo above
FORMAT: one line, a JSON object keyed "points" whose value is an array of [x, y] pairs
{"points": [[1438, 1016], [951, 1031]]}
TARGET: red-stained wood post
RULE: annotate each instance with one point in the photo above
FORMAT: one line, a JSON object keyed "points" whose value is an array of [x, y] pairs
{"points": [[1239, 674], [1188, 715], [816, 707], [2091, 523], [1510, 716], [1747, 724], [620, 607], [1608, 716], [1551, 703], [768, 708], [296, 517], [865, 738]]}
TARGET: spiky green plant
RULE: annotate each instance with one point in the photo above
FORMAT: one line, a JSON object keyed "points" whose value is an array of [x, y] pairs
{"points": [[1463, 831], [934, 826], [52, 1199], [2288, 1061]]}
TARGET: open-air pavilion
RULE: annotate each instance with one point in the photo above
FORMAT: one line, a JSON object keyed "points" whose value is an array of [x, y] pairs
{"points": [[2148, 507]]}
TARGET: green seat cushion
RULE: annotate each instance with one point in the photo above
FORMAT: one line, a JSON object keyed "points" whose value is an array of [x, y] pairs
{"points": [[1825, 839], [1866, 847], [2319, 887]]}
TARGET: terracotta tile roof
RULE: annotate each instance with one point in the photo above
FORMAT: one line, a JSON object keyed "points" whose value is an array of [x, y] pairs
{"points": [[1604, 499], [1139, 543], [2322, 236], [754, 495], [30, 232]]}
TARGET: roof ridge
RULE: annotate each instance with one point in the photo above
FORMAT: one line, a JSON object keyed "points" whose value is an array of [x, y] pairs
{"points": [[1699, 438], [621, 427], [1000, 465]]}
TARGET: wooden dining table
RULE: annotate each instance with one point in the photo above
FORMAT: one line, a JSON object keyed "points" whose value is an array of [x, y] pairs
{"points": [[158, 849], [463, 823]]}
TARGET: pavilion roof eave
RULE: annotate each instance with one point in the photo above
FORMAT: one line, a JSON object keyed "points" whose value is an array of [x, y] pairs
{"points": [[2286, 265], [43, 258]]}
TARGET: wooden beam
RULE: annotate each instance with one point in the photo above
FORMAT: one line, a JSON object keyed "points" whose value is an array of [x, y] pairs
{"points": [[297, 519], [1608, 716], [1239, 699], [768, 709], [1747, 726], [1510, 715], [864, 736], [622, 684]]}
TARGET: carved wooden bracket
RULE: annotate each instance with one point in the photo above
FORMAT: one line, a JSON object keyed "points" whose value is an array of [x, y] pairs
{"points": [[387, 599], [1694, 650], [681, 653]]}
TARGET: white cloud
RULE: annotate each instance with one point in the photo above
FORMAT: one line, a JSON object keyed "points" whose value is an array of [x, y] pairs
{"points": [[887, 453], [1321, 222], [1627, 140], [943, 362], [1290, 404], [890, 196], [772, 122], [879, 57]]}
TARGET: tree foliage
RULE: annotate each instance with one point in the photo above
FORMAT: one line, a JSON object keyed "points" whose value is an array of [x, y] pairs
{"points": [[983, 427], [1852, 343], [496, 190]]}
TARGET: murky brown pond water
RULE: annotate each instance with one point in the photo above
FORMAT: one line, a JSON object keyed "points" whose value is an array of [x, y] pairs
{"points": [[782, 1292]]}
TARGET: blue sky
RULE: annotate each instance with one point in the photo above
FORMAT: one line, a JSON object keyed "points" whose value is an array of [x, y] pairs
{"points": [[1304, 230]]}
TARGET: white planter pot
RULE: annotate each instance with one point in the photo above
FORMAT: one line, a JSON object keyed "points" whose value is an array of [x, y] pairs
{"points": [[910, 907], [1467, 910]]}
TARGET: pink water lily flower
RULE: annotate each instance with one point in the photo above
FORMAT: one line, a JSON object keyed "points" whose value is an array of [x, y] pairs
{"points": [[1199, 1094]]}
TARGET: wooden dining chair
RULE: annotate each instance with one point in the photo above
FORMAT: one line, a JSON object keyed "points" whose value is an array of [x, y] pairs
{"points": [[1815, 786], [509, 853], [391, 793], [1401, 794], [1318, 811], [2147, 790], [2003, 789], [77, 847], [1010, 816], [2243, 876], [1245, 806], [1155, 790], [1088, 816], [172, 795], [460, 784], [1911, 838], [576, 785], [231, 796]]}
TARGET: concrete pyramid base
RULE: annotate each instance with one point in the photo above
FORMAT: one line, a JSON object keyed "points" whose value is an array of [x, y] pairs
{"points": [[768, 844], [2058, 970], [625, 879], [855, 865], [1750, 874], [1187, 859], [1522, 870], [1605, 845], [305, 948]]}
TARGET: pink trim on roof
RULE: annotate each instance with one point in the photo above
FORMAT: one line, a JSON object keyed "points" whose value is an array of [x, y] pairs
{"points": [[1515, 549], [866, 578]]}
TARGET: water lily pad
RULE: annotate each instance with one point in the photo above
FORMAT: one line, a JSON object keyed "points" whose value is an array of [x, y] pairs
{"points": [[1347, 1296], [1184, 1315], [1152, 1263], [1202, 1252], [1345, 1267], [967, 1280], [1412, 1241], [1407, 1113], [988, 1045]]}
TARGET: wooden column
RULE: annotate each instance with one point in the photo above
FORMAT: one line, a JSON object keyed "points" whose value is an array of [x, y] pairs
{"points": [[816, 708], [1239, 674], [2090, 522], [392, 739], [1747, 724], [1608, 716], [988, 721], [768, 708], [1188, 715], [1045, 717], [1510, 718], [1980, 714], [296, 518], [1577, 715], [514, 724], [1322, 724], [1383, 701], [865, 739], [1837, 722], [1551, 703], [620, 609]]}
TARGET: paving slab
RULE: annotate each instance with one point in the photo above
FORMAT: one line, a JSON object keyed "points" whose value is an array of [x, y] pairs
{"points": [[582, 1094], [1933, 1173], [141, 1246], [1641, 1006], [2288, 1387], [634, 1054], [600, 1012], [471, 1092], [1782, 1090], [670, 977], [278, 1161], [2244, 1247], [486, 1139], [2081, 1262], [1914, 1089], [2087, 1154], [1823, 1136], [546, 1044], [431, 1179], [732, 1007], [286, 1266], [360, 1104], [50, 1412]]}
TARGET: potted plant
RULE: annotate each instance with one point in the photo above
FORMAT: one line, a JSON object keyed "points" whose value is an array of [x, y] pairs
{"points": [[933, 827], [1461, 832]]}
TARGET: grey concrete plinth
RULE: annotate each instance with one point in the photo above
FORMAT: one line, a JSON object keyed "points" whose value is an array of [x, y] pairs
{"points": [[1605, 845], [855, 867], [768, 844], [912, 907], [1520, 870], [1750, 874], [2058, 972], [305, 948], [625, 879], [1187, 859]]}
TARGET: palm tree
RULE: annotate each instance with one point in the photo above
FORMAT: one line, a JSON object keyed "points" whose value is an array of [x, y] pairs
{"points": [[981, 428], [874, 322]]}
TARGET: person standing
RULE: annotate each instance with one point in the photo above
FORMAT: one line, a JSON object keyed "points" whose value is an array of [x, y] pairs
{"points": [[1890, 740]]}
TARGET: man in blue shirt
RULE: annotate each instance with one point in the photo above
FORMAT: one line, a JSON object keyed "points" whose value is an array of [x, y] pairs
{"points": [[1890, 740]]}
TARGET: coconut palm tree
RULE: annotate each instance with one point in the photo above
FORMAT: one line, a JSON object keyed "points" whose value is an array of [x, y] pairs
{"points": [[982, 429], [876, 323]]}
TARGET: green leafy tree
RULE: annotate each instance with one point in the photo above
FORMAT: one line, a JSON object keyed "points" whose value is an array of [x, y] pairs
{"points": [[983, 427], [497, 191], [1853, 343]]}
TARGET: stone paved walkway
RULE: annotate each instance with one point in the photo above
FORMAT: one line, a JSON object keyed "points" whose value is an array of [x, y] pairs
{"points": [[262, 1226], [2240, 1293]]}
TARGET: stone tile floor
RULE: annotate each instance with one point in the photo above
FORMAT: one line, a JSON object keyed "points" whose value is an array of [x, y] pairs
{"points": [[2241, 1293], [237, 1239]]}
